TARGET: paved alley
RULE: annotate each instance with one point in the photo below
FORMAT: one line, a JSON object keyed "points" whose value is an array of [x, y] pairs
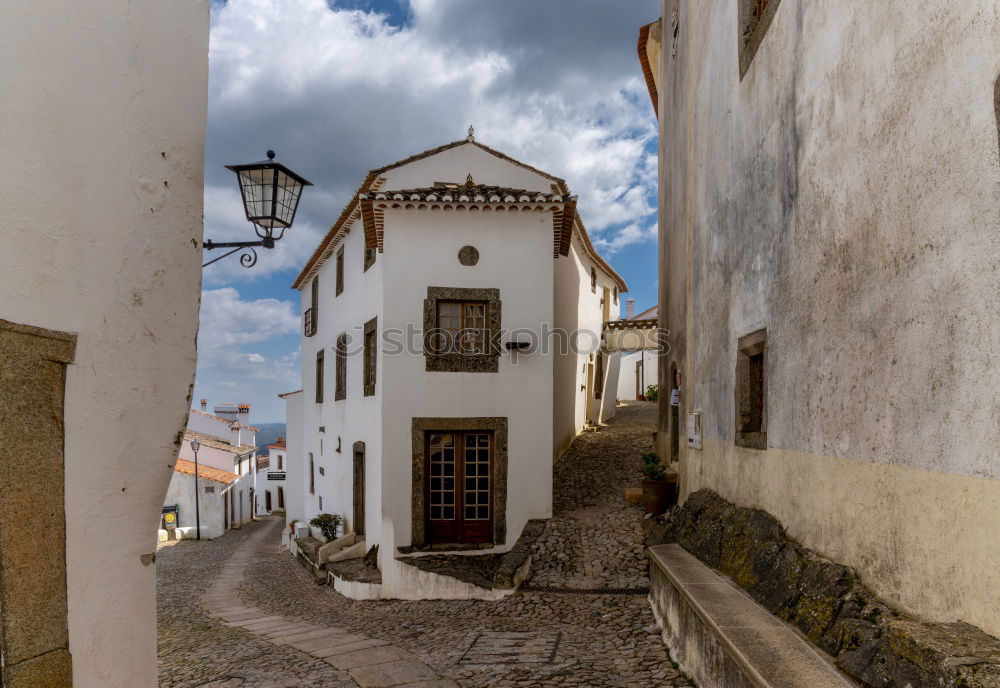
{"points": [[528, 639]]}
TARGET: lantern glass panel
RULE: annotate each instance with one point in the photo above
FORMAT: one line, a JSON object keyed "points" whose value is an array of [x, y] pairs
{"points": [[258, 188], [286, 200]]}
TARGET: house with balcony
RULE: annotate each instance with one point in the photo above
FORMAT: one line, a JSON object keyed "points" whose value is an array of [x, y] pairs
{"points": [[452, 319]]}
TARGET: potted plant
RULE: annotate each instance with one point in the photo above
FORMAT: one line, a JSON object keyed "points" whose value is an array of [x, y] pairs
{"points": [[659, 488], [328, 524]]}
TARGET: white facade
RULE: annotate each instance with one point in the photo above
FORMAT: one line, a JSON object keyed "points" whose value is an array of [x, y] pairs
{"points": [[271, 477], [103, 109], [530, 402]]}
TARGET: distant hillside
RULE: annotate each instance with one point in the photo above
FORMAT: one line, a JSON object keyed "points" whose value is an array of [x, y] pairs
{"points": [[268, 433]]}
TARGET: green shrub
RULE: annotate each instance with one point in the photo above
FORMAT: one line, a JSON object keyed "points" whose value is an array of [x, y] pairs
{"points": [[652, 392], [654, 471], [328, 524], [650, 457]]}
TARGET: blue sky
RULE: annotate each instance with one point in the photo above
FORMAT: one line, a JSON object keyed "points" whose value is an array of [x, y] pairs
{"points": [[338, 87]]}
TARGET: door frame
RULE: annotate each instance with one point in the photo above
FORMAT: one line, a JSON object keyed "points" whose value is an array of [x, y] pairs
{"points": [[418, 506]]}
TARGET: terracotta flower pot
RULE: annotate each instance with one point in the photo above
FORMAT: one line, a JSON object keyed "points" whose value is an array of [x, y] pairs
{"points": [[659, 495]]}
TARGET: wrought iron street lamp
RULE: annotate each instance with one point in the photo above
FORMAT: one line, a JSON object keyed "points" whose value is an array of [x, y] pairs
{"points": [[270, 193], [195, 446]]}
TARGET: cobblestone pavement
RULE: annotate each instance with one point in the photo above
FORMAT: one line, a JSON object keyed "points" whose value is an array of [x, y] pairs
{"points": [[593, 539], [528, 639]]}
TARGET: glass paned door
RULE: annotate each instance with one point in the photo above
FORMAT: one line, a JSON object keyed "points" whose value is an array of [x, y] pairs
{"points": [[459, 487]]}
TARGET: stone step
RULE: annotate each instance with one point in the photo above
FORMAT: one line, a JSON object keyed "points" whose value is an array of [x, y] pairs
{"points": [[722, 637]]}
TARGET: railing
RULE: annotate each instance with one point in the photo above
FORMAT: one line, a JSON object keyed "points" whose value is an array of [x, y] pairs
{"points": [[309, 322]]}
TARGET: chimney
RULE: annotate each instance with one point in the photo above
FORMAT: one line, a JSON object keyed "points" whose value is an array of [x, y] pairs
{"points": [[244, 409], [204, 404], [629, 308]]}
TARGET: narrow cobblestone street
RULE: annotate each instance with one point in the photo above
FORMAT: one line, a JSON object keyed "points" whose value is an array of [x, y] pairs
{"points": [[528, 639]]}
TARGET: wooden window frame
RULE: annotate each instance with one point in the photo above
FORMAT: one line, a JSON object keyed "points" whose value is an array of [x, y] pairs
{"points": [[320, 355], [453, 361], [340, 356], [454, 344], [340, 271], [370, 373], [370, 254]]}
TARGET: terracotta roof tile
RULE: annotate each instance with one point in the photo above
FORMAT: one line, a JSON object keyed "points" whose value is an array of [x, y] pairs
{"points": [[216, 443], [226, 420], [325, 247], [479, 193], [205, 472]]}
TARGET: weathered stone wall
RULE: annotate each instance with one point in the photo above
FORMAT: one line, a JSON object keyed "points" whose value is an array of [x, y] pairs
{"points": [[842, 195], [870, 640]]}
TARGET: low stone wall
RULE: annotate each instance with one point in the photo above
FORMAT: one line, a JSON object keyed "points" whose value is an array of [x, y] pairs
{"points": [[870, 641]]}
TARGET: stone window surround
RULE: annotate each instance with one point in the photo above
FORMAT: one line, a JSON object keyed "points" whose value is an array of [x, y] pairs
{"points": [[456, 362], [418, 433], [34, 636], [752, 28], [748, 346]]}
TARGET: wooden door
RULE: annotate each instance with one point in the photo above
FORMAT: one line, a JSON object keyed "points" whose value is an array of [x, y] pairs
{"points": [[281, 497], [359, 488], [459, 469], [267, 500]]}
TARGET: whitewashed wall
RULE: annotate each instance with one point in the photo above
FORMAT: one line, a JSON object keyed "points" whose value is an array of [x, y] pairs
{"points": [[626, 379], [103, 111], [295, 467], [181, 493], [356, 418]]}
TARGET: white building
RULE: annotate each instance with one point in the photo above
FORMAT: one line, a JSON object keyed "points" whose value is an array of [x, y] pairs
{"points": [[271, 478], [215, 489], [227, 446], [434, 394], [638, 368]]}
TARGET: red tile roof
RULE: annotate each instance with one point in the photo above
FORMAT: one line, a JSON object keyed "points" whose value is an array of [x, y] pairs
{"points": [[207, 472], [336, 231], [647, 71]]}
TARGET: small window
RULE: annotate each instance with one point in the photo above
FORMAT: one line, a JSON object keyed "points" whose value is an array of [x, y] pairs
{"points": [[593, 280], [321, 502], [370, 252], [319, 376], [281, 462], [754, 18], [341, 372], [371, 356], [340, 271], [615, 292], [751, 391], [322, 471], [462, 327], [312, 475], [209, 489]]}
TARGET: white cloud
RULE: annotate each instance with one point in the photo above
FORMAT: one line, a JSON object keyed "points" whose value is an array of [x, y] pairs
{"points": [[630, 234], [338, 91], [228, 321]]}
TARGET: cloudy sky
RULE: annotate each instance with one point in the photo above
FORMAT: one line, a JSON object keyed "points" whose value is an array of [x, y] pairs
{"points": [[338, 87]]}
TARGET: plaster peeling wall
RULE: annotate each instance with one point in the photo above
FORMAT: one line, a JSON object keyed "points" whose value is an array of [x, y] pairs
{"points": [[104, 112], [843, 195]]}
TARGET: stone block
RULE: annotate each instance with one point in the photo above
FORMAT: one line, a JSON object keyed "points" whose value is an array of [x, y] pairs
{"points": [[389, 674], [370, 656], [355, 551], [333, 546]]}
